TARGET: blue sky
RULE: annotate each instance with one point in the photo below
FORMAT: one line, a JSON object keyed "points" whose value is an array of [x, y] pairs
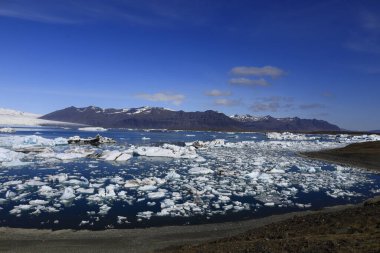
{"points": [[312, 59]]}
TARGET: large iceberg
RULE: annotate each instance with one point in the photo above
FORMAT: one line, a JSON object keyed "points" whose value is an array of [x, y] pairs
{"points": [[7, 130], [167, 150], [30, 140], [93, 129], [9, 158], [92, 141]]}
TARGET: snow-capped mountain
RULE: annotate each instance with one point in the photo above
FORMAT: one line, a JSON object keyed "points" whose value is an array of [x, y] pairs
{"points": [[145, 117], [163, 118], [127, 111], [250, 118], [269, 123]]}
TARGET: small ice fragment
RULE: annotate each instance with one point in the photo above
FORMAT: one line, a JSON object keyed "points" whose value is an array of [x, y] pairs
{"points": [[156, 195], [68, 194]]}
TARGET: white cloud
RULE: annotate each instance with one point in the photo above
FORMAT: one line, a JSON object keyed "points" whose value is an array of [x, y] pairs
{"points": [[311, 106], [328, 94], [175, 99], [56, 12], [366, 36], [226, 102], [271, 71], [249, 82], [218, 93], [272, 104]]}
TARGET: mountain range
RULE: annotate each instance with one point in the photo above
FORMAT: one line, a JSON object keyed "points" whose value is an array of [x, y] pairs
{"points": [[162, 118]]}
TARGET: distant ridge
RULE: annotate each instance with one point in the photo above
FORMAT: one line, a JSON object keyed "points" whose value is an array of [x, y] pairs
{"points": [[269, 123], [146, 117], [163, 118]]}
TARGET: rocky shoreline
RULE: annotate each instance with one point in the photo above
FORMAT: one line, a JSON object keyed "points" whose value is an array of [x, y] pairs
{"points": [[347, 228]]}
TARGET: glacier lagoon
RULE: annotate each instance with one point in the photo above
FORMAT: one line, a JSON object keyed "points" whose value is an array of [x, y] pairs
{"points": [[157, 178]]}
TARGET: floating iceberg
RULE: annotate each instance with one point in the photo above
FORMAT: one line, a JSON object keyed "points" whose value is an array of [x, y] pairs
{"points": [[167, 150], [207, 144], [156, 195], [115, 155], [97, 140], [68, 194], [30, 140], [9, 158], [289, 136], [93, 129], [200, 170], [7, 130]]}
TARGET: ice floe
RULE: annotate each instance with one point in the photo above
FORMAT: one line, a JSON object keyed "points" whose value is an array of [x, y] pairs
{"points": [[7, 130], [97, 140], [16, 141], [167, 150], [200, 170], [68, 194], [93, 129], [115, 155], [9, 158]]}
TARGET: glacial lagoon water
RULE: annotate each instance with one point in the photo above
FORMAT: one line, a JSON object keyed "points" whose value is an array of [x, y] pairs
{"points": [[248, 175]]}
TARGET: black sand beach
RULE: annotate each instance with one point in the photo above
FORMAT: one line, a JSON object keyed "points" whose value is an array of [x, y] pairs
{"points": [[365, 155], [344, 229]]}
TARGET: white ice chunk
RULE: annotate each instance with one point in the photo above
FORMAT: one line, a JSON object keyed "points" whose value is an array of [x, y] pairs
{"points": [[122, 219], [38, 202], [103, 210], [85, 191], [277, 171], [29, 141], [110, 155], [10, 158], [253, 174], [68, 194], [115, 155], [124, 157], [200, 170], [10, 194], [93, 129], [145, 215], [62, 177], [156, 195], [7, 130], [14, 182], [167, 150], [147, 188], [172, 175], [133, 183], [84, 222]]}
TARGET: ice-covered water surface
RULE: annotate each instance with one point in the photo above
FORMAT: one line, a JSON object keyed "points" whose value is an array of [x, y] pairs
{"points": [[171, 178]]}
